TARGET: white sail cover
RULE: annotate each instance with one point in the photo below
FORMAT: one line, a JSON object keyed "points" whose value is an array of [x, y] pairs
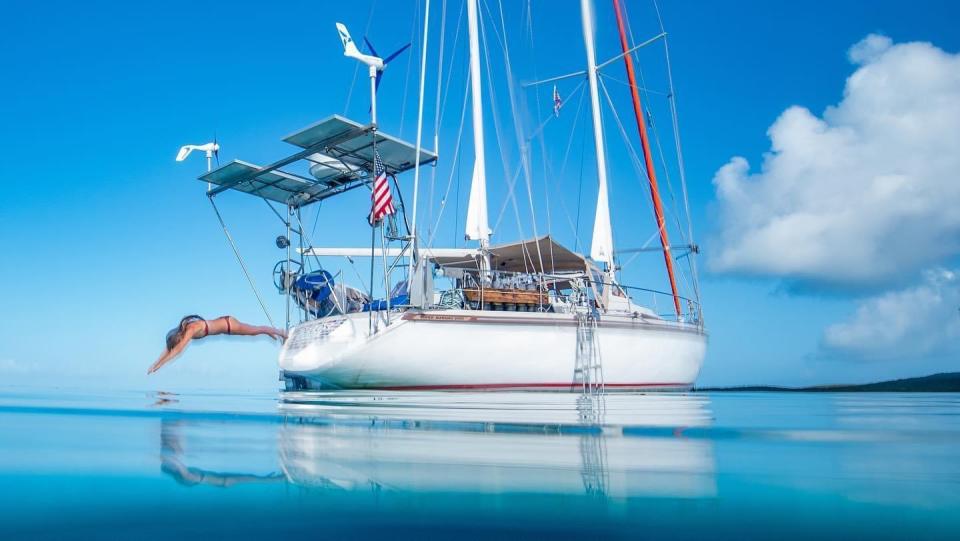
{"points": [[477, 225], [601, 249]]}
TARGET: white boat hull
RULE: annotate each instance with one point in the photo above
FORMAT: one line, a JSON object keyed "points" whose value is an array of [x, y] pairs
{"points": [[487, 350]]}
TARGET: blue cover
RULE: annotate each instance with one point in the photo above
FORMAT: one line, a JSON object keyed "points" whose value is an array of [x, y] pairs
{"points": [[381, 304], [318, 285]]}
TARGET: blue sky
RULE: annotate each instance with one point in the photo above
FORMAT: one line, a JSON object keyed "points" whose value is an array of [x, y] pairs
{"points": [[107, 241]]}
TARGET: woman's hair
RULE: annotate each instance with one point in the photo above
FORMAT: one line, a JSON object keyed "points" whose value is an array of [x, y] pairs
{"points": [[176, 333]]}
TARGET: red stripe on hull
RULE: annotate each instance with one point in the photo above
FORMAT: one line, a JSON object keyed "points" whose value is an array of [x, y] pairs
{"points": [[501, 386]]}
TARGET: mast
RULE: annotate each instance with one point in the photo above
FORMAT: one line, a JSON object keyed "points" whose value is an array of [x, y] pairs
{"points": [[414, 245], [477, 226], [602, 246], [647, 157]]}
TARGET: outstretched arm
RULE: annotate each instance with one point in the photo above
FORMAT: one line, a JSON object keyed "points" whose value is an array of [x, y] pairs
{"points": [[171, 354]]}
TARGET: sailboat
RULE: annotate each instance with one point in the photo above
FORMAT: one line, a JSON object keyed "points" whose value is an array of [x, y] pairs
{"points": [[531, 314]]}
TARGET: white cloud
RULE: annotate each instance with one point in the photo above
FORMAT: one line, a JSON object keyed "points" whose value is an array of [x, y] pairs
{"points": [[867, 194], [912, 323]]}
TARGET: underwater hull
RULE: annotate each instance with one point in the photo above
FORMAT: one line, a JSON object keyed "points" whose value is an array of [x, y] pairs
{"points": [[487, 350]]}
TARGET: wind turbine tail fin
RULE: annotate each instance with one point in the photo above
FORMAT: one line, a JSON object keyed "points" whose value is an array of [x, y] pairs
{"points": [[349, 47]]}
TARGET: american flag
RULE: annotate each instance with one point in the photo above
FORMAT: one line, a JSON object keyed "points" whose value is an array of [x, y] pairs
{"points": [[380, 197], [557, 103]]}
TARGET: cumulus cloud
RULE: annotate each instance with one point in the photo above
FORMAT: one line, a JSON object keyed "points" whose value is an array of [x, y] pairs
{"points": [[866, 194], [912, 323]]}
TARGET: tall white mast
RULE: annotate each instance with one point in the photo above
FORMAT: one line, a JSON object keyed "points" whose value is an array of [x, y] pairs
{"points": [[602, 245], [477, 225], [414, 245]]}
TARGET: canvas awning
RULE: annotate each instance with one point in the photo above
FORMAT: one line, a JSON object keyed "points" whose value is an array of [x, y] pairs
{"points": [[524, 256], [513, 257]]}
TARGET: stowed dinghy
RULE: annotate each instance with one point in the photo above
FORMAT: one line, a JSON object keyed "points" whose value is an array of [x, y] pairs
{"points": [[524, 315]]}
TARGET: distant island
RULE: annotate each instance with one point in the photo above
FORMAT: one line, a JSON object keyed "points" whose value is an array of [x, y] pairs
{"points": [[947, 382]]}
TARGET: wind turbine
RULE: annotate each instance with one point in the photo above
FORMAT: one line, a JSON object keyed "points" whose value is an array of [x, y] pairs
{"points": [[375, 64], [212, 150]]}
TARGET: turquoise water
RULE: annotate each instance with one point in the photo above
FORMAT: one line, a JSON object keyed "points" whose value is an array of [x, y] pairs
{"points": [[503, 465]]}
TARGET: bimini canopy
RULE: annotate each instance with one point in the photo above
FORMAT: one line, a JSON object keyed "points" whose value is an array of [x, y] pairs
{"points": [[336, 155], [524, 256]]}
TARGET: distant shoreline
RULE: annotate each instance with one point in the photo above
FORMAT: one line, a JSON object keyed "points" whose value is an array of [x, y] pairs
{"points": [[946, 382]]}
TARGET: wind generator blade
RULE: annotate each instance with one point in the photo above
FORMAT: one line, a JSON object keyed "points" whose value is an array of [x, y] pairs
{"points": [[396, 54], [370, 46]]}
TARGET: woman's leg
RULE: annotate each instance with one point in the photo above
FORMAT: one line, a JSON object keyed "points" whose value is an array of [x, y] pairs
{"points": [[238, 327]]}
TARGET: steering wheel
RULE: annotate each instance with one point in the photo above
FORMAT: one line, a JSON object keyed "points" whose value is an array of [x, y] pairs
{"points": [[279, 271]]}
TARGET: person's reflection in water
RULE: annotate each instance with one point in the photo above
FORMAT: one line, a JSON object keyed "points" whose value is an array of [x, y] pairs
{"points": [[171, 451], [164, 398]]}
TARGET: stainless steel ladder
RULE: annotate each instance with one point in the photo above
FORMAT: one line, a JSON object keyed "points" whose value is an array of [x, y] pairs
{"points": [[589, 368]]}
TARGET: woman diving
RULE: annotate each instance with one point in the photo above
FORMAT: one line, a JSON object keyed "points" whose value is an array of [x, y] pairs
{"points": [[194, 327]]}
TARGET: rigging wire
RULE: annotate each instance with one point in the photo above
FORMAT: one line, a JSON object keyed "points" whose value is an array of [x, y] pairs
{"points": [[316, 218], [583, 153], [414, 26], [643, 89], [436, 110], [638, 166], [454, 169], [524, 147], [499, 132], [497, 129], [563, 165], [674, 212], [642, 249], [236, 252], [503, 207], [412, 227], [453, 56], [356, 68], [634, 157], [528, 17], [676, 136], [539, 130], [686, 236], [443, 108]]}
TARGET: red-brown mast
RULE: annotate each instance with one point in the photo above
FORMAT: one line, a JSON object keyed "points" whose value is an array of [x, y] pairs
{"points": [[647, 157]]}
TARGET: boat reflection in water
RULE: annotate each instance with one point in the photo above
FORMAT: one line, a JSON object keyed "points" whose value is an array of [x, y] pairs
{"points": [[614, 446]]}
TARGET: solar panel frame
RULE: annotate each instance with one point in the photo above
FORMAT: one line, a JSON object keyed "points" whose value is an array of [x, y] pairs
{"points": [[334, 136], [276, 185], [397, 155]]}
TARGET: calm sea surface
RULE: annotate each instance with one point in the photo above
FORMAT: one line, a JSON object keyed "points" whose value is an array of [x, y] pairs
{"points": [[503, 465]]}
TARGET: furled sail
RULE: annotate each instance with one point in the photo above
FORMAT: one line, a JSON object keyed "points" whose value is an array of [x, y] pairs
{"points": [[477, 225], [601, 249]]}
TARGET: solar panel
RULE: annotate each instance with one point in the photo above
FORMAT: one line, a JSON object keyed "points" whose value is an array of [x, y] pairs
{"points": [[273, 185], [344, 138], [338, 153]]}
